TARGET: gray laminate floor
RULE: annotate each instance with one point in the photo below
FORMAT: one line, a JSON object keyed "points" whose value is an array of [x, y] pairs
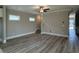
{"points": [[37, 43]]}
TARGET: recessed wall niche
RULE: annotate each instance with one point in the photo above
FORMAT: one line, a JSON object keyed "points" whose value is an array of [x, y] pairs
{"points": [[2, 24], [1, 29]]}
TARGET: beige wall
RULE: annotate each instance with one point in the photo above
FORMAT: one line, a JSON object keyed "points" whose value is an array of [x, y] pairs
{"points": [[56, 23], [19, 27], [38, 21]]}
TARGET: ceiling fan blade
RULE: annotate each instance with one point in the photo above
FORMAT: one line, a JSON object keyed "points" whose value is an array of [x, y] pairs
{"points": [[47, 9], [60, 10]]}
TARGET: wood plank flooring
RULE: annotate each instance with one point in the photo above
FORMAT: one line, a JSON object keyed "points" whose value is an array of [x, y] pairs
{"points": [[37, 43]]}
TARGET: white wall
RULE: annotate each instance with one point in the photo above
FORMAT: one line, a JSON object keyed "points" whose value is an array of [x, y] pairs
{"points": [[19, 27], [56, 23]]}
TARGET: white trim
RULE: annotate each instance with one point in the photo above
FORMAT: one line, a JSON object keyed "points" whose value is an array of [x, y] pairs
{"points": [[4, 41], [54, 34], [20, 35]]}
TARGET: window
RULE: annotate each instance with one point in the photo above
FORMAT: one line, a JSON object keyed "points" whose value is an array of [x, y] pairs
{"points": [[14, 17], [31, 19]]}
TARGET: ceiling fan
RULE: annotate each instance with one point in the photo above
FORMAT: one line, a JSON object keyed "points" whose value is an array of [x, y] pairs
{"points": [[46, 9], [42, 9]]}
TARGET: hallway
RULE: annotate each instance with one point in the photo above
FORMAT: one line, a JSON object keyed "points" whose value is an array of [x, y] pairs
{"points": [[73, 38]]}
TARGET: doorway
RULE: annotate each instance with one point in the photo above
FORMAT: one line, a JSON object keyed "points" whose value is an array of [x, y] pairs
{"points": [[72, 29]]}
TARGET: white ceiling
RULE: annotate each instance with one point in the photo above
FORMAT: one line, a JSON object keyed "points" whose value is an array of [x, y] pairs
{"points": [[32, 8]]}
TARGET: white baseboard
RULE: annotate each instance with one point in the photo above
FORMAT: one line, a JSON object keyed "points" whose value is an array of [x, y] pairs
{"points": [[3, 41], [54, 34], [20, 35]]}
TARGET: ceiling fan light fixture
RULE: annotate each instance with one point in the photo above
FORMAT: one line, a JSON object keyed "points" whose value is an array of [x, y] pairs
{"points": [[41, 10]]}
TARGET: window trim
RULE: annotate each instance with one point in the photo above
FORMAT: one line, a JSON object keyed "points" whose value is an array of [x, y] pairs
{"points": [[15, 17], [31, 19]]}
